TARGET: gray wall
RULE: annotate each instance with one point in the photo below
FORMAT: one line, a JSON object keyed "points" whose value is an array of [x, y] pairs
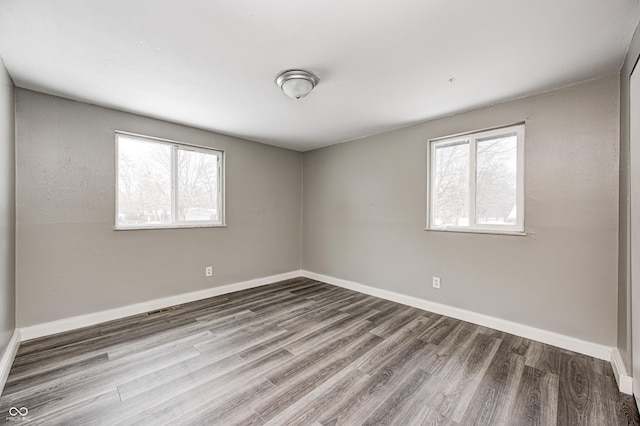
{"points": [[624, 281], [364, 216], [7, 210], [71, 261]]}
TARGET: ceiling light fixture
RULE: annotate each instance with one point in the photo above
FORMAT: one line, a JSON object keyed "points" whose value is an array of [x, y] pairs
{"points": [[297, 83]]}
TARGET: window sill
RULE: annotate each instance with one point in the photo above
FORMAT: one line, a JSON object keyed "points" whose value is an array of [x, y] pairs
{"points": [[145, 228], [480, 231]]}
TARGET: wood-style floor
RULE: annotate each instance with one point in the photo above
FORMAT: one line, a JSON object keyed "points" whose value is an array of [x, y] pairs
{"points": [[301, 352]]}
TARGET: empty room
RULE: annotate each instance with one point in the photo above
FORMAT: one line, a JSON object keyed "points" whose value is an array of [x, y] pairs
{"points": [[319, 213]]}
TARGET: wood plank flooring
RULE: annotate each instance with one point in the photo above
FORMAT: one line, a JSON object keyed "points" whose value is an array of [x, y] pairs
{"points": [[302, 352]]}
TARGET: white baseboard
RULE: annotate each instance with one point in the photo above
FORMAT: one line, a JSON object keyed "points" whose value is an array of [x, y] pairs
{"points": [[67, 324], [625, 383], [571, 343], [566, 342], [7, 358]]}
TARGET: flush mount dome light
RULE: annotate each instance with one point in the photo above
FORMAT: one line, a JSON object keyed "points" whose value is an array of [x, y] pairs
{"points": [[297, 83]]}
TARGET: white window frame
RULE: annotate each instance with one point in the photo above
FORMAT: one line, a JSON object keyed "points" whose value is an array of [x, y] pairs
{"points": [[176, 146], [472, 138]]}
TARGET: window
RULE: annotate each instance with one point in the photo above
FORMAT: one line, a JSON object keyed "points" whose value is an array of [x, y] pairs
{"points": [[476, 181], [164, 184]]}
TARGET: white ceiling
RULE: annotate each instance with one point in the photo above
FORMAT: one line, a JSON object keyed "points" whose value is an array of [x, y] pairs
{"points": [[382, 65]]}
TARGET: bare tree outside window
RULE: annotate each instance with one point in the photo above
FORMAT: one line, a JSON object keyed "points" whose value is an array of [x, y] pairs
{"points": [[451, 170], [197, 186], [161, 184], [144, 183], [477, 181], [496, 165]]}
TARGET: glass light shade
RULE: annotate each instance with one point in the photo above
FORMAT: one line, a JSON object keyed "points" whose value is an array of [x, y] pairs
{"points": [[297, 83], [297, 87]]}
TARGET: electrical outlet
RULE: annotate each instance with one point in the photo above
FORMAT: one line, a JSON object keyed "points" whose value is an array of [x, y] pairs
{"points": [[208, 271], [436, 282]]}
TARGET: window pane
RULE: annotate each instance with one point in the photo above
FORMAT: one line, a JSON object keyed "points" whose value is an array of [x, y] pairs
{"points": [[197, 186], [144, 182], [496, 164], [451, 184]]}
